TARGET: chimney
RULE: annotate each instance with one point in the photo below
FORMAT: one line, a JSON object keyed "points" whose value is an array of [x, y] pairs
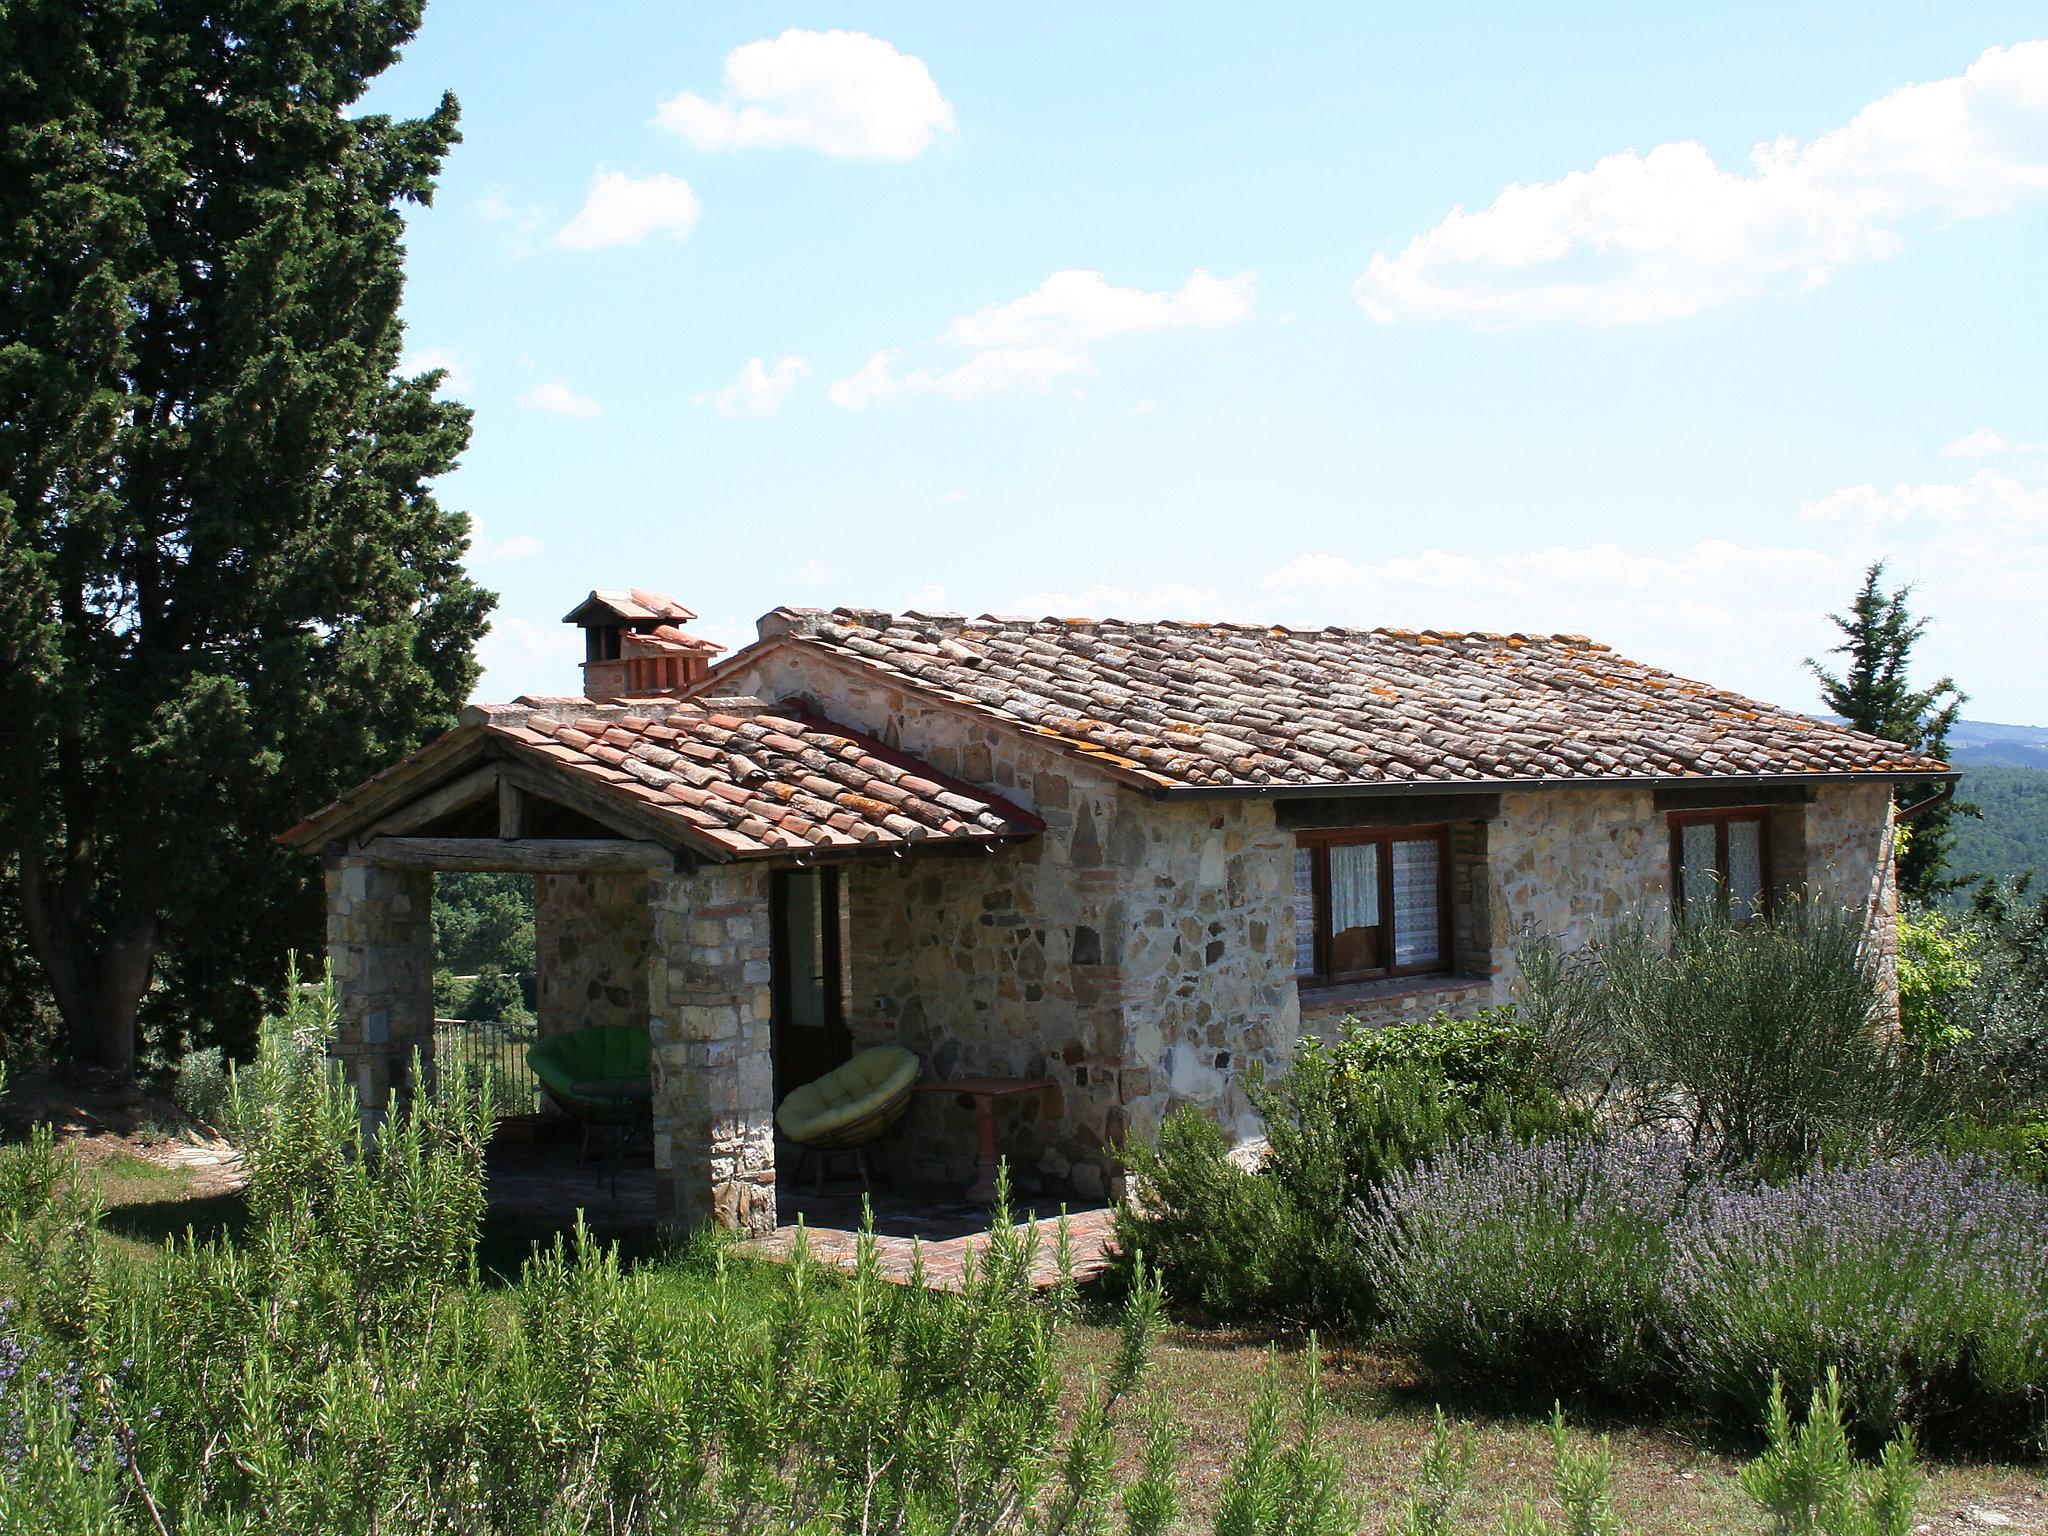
{"points": [[634, 645]]}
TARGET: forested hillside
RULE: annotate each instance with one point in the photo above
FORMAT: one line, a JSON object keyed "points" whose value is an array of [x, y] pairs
{"points": [[2011, 836]]}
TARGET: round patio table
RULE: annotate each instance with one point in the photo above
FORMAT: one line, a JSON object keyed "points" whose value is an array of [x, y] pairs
{"points": [[985, 1091], [626, 1096]]}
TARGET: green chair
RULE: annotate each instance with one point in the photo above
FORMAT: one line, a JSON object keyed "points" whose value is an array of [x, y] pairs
{"points": [[600, 1075], [851, 1107]]}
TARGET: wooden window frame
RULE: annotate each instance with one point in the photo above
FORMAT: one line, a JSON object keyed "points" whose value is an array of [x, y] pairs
{"points": [[1319, 843], [1720, 818]]}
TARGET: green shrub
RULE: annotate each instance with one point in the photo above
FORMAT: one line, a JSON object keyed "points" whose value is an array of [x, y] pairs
{"points": [[1518, 1268], [495, 997], [2006, 1008], [1810, 1484], [200, 1085], [1758, 1041], [1937, 967], [1275, 1243], [1919, 1281], [1222, 1238], [2021, 1149]]}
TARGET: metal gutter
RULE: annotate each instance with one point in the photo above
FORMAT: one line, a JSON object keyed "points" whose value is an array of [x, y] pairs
{"points": [[1412, 787]]}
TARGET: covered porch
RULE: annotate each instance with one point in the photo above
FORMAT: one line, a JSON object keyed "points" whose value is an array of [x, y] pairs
{"points": [[687, 860]]}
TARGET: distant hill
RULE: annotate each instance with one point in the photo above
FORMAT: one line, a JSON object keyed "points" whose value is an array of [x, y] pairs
{"points": [[1985, 744]]}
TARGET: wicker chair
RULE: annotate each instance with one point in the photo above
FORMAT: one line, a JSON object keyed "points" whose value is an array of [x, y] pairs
{"points": [[850, 1108]]}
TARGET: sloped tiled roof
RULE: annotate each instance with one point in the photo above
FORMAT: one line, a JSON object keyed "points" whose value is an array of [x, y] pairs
{"points": [[754, 782], [731, 778], [1242, 707]]}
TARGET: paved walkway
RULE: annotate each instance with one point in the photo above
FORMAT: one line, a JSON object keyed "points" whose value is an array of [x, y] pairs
{"points": [[942, 1234], [541, 1188]]}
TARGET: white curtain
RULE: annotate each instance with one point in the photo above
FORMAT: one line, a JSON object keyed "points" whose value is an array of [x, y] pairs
{"points": [[1418, 935]]}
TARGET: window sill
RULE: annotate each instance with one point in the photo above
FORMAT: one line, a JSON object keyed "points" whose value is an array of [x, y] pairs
{"points": [[1391, 987]]}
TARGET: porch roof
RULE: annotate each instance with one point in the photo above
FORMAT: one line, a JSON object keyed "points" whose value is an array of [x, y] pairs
{"points": [[1261, 709], [724, 778]]}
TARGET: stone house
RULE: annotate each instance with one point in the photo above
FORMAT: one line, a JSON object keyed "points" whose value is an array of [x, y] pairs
{"points": [[1136, 859]]}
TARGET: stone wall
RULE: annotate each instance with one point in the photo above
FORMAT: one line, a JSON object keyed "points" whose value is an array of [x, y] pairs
{"points": [[1568, 863], [380, 944], [1850, 857], [1207, 957], [708, 997], [592, 936]]}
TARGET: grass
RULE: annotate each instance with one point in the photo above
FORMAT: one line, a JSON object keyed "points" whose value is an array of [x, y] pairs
{"points": [[1669, 1478]]}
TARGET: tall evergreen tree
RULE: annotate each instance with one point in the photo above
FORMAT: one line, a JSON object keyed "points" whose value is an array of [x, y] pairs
{"points": [[1874, 693], [225, 589]]}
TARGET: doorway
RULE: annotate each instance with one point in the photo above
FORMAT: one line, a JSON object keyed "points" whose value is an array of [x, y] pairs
{"points": [[810, 1034]]}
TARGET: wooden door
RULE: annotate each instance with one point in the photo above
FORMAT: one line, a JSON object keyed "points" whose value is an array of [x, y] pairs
{"points": [[810, 1036]]}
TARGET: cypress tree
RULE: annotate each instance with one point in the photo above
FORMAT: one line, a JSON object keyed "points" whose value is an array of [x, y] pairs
{"points": [[226, 590], [1874, 693]]}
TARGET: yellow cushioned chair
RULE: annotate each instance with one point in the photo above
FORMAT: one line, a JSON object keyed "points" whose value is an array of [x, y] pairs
{"points": [[851, 1106]]}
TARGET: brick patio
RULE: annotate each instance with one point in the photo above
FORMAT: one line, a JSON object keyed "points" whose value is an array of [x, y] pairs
{"points": [[543, 1186]]}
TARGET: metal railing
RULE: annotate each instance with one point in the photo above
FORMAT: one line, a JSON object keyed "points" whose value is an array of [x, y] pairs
{"points": [[473, 1051]]}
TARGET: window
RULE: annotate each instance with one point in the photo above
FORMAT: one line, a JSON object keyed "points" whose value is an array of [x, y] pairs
{"points": [[1722, 855], [1371, 904]]}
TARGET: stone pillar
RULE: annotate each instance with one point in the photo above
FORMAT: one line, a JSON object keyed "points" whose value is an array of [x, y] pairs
{"points": [[380, 943], [709, 1005]]}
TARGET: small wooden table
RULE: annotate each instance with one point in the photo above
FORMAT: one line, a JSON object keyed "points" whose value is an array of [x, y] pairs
{"points": [[985, 1091]]}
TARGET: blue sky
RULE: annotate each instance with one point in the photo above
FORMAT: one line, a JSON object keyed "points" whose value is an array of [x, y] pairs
{"points": [[1486, 317]]}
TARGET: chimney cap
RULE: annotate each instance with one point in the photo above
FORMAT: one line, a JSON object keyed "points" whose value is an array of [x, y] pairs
{"points": [[627, 605]]}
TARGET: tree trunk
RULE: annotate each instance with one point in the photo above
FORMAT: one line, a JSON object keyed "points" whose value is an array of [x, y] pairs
{"points": [[97, 993]]}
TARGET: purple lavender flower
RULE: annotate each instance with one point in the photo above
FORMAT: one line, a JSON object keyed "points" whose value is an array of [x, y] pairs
{"points": [[1924, 1281], [1499, 1262]]}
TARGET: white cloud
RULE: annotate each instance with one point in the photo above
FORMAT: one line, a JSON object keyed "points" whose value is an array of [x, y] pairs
{"points": [[1035, 370], [1659, 236], [624, 210], [481, 547], [847, 94], [1075, 308], [556, 398], [521, 656], [1041, 341], [1988, 501], [759, 390], [814, 573], [520, 226], [418, 360], [1106, 600], [1984, 443]]}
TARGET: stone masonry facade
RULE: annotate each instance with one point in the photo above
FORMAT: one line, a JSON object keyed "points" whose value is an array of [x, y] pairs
{"points": [[708, 993], [1140, 952], [593, 945]]}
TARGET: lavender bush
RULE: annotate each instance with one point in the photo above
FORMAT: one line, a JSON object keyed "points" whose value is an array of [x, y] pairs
{"points": [[1923, 1281], [1501, 1264]]}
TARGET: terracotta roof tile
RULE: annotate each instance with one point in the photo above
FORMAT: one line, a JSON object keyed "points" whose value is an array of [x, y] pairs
{"points": [[756, 786], [1223, 706]]}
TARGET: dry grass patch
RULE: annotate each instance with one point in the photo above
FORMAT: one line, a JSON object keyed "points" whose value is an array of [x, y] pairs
{"points": [[1669, 1480]]}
